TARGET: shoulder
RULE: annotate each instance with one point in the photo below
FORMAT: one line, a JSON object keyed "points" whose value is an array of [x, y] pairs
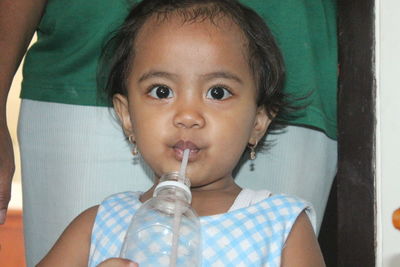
{"points": [[110, 225], [115, 204], [289, 208], [121, 198], [260, 230], [77, 232], [114, 210], [301, 248], [86, 218]]}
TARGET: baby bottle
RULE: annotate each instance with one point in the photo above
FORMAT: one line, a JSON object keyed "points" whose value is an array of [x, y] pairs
{"points": [[165, 231]]}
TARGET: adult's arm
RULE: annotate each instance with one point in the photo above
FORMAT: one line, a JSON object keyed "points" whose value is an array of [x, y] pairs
{"points": [[18, 21]]}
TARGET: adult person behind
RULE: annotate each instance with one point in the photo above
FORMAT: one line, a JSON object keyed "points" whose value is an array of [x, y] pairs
{"points": [[66, 134], [68, 143]]}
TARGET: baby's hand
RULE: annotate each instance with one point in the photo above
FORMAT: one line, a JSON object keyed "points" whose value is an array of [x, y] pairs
{"points": [[117, 262]]}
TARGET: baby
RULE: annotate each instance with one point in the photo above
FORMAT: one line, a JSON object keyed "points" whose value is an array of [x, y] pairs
{"points": [[206, 76]]}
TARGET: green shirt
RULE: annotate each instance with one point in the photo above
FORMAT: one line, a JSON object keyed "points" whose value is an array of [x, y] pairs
{"points": [[62, 65]]}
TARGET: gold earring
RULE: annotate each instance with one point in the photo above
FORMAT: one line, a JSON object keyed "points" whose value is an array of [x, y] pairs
{"points": [[135, 151], [252, 151]]}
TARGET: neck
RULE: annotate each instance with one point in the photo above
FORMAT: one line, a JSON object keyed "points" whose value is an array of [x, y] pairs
{"points": [[209, 199], [216, 201]]}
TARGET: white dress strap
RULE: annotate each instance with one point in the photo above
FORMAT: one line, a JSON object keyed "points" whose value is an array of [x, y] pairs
{"points": [[248, 197]]}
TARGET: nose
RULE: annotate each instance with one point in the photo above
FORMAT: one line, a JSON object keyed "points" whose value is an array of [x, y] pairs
{"points": [[189, 116]]}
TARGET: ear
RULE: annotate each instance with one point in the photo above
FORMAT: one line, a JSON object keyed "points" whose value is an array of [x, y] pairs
{"points": [[261, 124], [121, 107]]}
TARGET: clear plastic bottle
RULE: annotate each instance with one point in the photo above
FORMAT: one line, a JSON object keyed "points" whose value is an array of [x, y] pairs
{"points": [[165, 231]]}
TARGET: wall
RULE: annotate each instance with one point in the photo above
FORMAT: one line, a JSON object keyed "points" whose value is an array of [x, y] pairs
{"points": [[13, 104], [388, 130]]}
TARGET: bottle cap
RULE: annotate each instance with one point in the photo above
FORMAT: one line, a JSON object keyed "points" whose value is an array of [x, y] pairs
{"points": [[172, 183]]}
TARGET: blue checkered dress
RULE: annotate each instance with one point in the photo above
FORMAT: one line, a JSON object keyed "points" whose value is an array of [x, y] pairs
{"points": [[251, 236]]}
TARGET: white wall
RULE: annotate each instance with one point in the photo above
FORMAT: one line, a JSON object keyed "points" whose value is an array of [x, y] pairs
{"points": [[388, 130]]}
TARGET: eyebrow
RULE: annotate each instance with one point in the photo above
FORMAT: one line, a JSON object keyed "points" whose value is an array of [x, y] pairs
{"points": [[157, 74], [222, 74], [208, 76]]}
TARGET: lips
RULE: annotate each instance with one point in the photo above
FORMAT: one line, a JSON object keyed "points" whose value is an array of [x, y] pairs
{"points": [[181, 145]]}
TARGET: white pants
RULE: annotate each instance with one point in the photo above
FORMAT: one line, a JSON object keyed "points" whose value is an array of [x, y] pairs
{"points": [[74, 156]]}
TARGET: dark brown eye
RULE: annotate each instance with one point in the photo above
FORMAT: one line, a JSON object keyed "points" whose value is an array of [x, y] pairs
{"points": [[218, 93], [161, 91]]}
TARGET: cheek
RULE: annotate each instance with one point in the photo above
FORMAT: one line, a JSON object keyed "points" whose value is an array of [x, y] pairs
{"points": [[151, 129], [234, 131], [147, 128], [241, 123], [141, 124]]}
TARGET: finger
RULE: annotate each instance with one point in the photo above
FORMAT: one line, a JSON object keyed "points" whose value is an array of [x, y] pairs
{"points": [[5, 195], [7, 168], [114, 262], [3, 215]]}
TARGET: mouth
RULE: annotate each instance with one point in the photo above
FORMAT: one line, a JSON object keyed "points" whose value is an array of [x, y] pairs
{"points": [[181, 146]]}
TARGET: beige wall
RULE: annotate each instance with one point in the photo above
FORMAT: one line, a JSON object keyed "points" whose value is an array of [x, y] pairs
{"points": [[13, 105], [12, 118]]}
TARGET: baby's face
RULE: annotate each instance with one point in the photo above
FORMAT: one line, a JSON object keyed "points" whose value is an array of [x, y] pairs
{"points": [[191, 87]]}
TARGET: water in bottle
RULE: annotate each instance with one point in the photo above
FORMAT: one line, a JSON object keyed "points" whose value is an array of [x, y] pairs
{"points": [[165, 231]]}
